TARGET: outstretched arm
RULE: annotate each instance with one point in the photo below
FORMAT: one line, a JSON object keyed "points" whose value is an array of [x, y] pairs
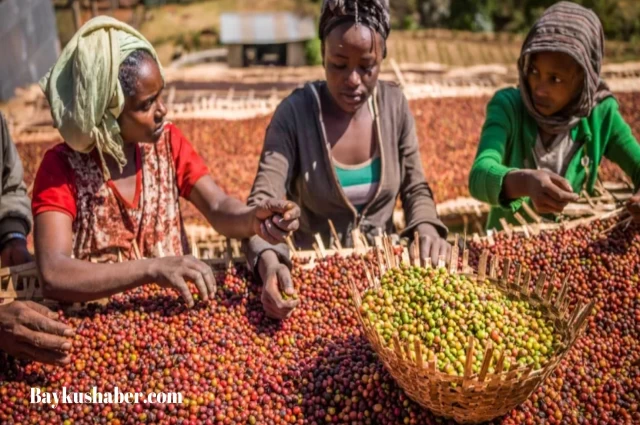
{"points": [[69, 279], [270, 219]]}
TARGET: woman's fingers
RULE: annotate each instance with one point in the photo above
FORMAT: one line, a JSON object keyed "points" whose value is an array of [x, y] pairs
{"points": [[286, 225], [41, 309], [274, 305], [274, 232], [196, 277], [207, 274], [264, 234], [43, 355], [179, 284], [284, 281], [432, 249], [425, 250], [546, 204], [561, 189], [272, 300], [444, 251], [269, 207], [38, 322], [42, 340], [292, 213]]}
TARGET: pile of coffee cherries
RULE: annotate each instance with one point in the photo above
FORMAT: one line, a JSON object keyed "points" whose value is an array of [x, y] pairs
{"points": [[233, 365], [444, 310]]}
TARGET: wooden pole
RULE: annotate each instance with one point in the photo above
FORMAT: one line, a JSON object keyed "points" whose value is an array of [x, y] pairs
{"points": [[398, 72], [77, 15], [94, 8]]}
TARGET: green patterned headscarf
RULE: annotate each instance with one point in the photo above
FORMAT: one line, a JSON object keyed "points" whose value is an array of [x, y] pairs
{"points": [[83, 88]]}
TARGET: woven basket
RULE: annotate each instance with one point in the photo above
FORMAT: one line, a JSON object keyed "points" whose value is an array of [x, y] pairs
{"points": [[474, 398]]}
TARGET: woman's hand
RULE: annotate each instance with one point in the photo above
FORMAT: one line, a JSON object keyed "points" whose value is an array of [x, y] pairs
{"points": [[432, 246], [14, 253], [276, 281], [633, 206], [31, 331], [549, 192], [275, 219], [175, 272]]}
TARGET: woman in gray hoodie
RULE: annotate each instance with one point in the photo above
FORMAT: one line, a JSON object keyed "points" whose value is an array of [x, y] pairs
{"points": [[343, 149]]}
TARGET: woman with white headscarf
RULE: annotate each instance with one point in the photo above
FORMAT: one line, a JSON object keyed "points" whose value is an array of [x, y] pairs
{"points": [[111, 191]]}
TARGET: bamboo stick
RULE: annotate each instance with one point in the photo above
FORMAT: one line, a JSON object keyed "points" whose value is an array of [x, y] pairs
{"points": [[320, 243], [531, 213], [482, 266], [136, 250], [364, 240], [516, 282], [418, 349], [524, 287], [505, 271], [486, 362], [523, 223], [336, 238], [493, 266], [453, 259], [500, 364], [506, 226], [316, 248], [562, 293], [465, 261], [540, 284], [470, 354], [357, 241], [396, 346], [416, 249]]}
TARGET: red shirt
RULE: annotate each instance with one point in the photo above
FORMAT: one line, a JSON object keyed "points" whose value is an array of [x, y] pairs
{"points": [[103, 221], [54, 187]]}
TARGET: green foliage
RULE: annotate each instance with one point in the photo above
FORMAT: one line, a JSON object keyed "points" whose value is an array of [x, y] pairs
{"points": [[313, 52], [620, 18], [404, 14]]}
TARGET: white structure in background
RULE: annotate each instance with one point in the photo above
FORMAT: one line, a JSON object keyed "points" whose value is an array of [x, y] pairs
{"points": [[29, 45], [276, 38]]}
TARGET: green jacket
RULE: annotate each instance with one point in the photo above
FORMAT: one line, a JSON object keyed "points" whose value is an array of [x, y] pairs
{"points": [[509, 136]]}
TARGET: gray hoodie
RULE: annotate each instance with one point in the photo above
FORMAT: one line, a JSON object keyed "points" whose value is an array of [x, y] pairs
{"points": [[15, 205], [296, 165]]}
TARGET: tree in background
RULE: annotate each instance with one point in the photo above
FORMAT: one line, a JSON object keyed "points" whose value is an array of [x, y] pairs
{"points": [[620, 18], [404, 14], [434, 13]]}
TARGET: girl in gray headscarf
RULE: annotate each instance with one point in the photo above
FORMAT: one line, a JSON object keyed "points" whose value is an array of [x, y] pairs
{"points": [[543, 142]]}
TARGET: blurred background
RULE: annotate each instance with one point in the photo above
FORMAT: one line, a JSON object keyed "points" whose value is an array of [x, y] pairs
{"points": [[228, 64], [177, 27]]}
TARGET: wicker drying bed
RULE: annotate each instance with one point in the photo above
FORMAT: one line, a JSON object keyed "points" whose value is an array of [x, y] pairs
{"points": [[533, 229]]}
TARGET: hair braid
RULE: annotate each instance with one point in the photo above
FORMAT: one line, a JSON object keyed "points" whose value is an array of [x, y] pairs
{"points": [[371, 13]]}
